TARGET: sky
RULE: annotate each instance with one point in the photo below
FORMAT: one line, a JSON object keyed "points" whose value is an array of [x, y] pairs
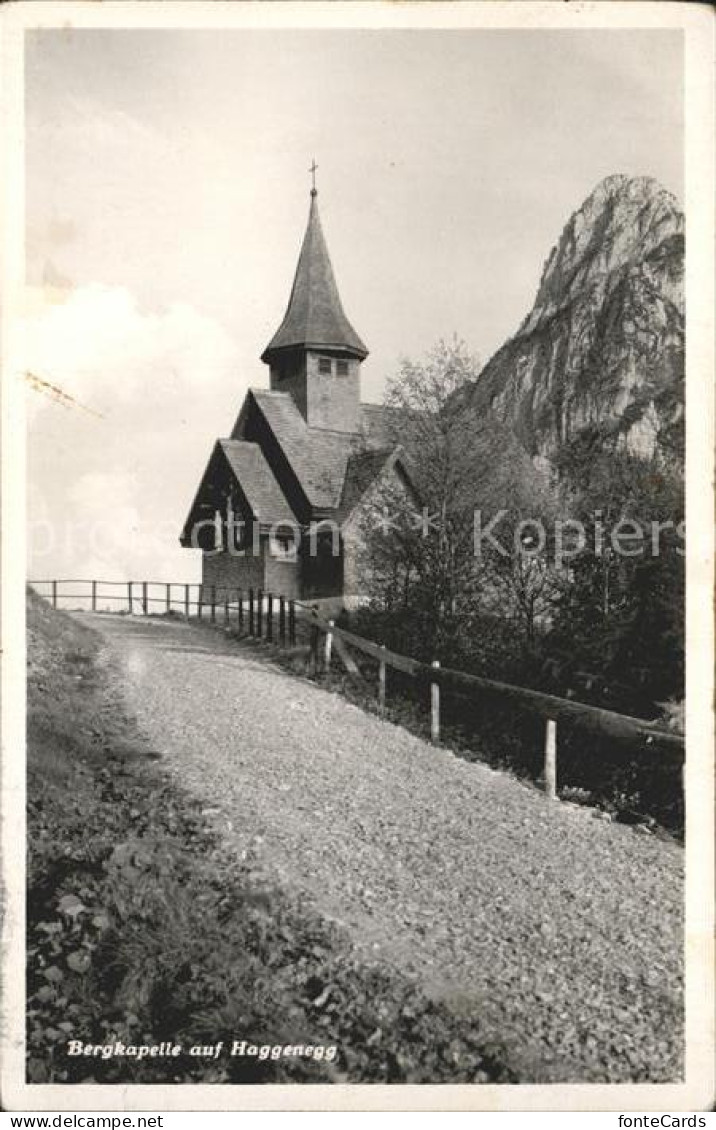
{"points": [[167, 193]]}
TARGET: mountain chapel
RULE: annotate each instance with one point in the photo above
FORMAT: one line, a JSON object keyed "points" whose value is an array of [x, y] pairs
{"points": [[280, 504]]}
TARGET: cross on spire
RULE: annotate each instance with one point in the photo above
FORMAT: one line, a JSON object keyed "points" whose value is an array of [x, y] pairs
{"points": [[312, 171]]}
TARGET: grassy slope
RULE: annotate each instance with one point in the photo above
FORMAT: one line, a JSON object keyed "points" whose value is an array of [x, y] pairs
{"points": [[140, 930]]}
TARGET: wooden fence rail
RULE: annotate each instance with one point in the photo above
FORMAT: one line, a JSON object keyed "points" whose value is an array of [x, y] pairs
{"points": [[433, 677], [548, 705], [167, 597]]}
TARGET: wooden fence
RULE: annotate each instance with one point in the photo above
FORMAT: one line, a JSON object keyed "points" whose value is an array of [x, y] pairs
{"points": [[261, 614], [550, 707], [274, 618]]}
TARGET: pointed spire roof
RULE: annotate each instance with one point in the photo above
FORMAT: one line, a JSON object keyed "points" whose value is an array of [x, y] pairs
{"points": [[315, 316]]}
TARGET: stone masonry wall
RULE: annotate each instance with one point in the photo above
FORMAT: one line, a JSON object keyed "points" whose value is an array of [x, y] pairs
{"points": [[333, 401], [229, 572], [325, 400]]}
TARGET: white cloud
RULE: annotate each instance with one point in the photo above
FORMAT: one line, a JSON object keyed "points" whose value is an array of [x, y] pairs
{"points": [[112, 475], [99, 348]]}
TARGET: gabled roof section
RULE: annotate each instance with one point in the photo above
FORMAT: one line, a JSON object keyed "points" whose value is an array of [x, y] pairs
{"points": [[333, 469], [242, 466], [364, 469], [256, 480], [318, 457], [315, 315], [380, 424]]}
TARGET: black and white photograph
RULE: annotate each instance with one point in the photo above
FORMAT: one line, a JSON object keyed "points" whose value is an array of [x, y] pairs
{"points": [[359, 735]]}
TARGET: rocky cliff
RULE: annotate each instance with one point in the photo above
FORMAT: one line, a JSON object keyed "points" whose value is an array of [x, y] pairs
{"points": [[602, 349]]}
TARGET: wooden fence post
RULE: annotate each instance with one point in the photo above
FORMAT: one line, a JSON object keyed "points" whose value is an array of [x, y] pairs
{"points": [[292, 622], [200, 602], [129, 595], [169, 598], [269, 618], [260, 613], [186, 601], [226, 609], [435, 708], [282, 620], [251, 612], [213, 604], [550, 760], [328, 648], [381, 682], [145, 599], [94, 596], [240, 599], [313, 657], [54, 594]]}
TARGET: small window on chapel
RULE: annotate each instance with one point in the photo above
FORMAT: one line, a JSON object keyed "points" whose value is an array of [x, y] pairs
{"points": [[342, 368], [284, 547], [324, 364]]}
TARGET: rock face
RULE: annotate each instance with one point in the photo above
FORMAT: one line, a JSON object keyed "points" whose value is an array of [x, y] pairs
{"points": [[602, 350]]}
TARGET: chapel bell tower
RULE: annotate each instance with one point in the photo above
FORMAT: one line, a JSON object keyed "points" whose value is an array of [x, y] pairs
{"points": [[315, 355]]}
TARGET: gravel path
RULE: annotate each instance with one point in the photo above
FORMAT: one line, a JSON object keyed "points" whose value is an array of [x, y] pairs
{"points": [[560, 933]]}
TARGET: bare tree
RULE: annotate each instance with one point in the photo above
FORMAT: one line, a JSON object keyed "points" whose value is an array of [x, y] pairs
{"points": [[520, 579], [461, 460]]}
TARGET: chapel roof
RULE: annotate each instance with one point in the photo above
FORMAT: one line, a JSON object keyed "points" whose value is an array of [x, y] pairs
{"points": [[257, 482], [320, 457], [333, 469], [363, 468], [315, 317]]}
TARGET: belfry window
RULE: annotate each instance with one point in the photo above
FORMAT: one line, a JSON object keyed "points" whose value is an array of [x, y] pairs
{"points": [[341, 368], [324, 365]]}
